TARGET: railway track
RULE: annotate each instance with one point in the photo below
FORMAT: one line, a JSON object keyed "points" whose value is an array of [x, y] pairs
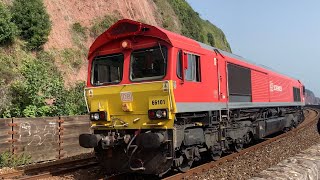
{"points": [[60, 168], [53, 169], [310, 116]]}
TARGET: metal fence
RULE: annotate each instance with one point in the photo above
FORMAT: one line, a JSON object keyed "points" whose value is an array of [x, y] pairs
{"points": [[44, 139]]}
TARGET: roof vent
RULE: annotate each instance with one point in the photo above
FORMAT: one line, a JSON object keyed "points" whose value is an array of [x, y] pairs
{"points": [[124, 29]]}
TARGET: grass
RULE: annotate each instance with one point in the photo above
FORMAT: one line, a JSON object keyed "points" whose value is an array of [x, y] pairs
{"points": [[220, 40], [7, 159], [168, 16], [79, 30], [72, 57], [102, 24]]}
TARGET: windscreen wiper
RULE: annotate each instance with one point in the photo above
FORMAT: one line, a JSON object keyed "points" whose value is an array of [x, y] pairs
{"points": [[164, 59]]}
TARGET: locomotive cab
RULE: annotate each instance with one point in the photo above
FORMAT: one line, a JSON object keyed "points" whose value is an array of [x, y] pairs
{"points": [[130, 98]]}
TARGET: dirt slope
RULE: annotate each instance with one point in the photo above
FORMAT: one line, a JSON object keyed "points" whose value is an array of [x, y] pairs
{"points": [[64, 13]]}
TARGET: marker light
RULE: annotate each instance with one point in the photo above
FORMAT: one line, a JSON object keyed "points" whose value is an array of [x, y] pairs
{"points": [[126, 44], [151, 114], [102, 115]]}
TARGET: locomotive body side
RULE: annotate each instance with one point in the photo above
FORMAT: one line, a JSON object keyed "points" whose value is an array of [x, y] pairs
{"points": [[160, 101]]}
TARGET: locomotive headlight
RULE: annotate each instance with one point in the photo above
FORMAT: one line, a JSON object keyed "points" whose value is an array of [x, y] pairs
{"points": [[158, 114], [95, 116]]}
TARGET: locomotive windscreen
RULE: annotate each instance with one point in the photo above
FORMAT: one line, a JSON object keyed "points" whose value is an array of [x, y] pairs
{"points": [[107, 69], [148, 64], [239, 82]]}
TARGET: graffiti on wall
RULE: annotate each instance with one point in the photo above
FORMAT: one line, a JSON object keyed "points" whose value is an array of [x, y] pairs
{"points": [[38, 133]]}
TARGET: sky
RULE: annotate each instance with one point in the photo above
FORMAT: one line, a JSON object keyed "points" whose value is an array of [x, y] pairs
{"points": [[282, 34]]}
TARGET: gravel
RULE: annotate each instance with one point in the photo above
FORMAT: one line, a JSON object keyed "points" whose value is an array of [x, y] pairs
{"points": [[252, 163], [83, 174], [6, 170]]}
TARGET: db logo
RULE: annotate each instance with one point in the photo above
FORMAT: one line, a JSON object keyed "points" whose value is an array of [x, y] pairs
{"points": [[126, 96], [274, 87]]}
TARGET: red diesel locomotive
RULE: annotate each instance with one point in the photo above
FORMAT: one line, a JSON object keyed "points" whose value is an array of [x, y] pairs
{"points": [[160, 101]]}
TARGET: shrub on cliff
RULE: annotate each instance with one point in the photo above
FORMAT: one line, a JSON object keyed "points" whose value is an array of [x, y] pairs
{"points": [[33, 22], [8, 30]]}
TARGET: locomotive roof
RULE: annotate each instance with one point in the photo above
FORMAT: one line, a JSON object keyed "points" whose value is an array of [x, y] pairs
{"points": [[172, 38], [235, 56]]}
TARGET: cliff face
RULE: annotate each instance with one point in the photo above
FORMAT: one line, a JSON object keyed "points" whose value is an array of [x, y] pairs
{"points": [[174, 15], [65, 13]]}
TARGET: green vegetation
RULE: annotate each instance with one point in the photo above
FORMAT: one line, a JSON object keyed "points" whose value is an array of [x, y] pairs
{"points": [[102, 24], [191, 24], [210, 39], [71, 101], [79, 29], [31, 84], [72, 58], [40, 83], [7, 159], [190, 20], [32, 21], [8, 30], [219, 39], [168, 16], [79, 34]]}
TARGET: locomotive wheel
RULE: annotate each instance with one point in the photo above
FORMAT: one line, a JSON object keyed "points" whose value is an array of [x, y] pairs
{"points": [[294, 125], [216, 155], [249, 138], [185, 165], [238, 147]]}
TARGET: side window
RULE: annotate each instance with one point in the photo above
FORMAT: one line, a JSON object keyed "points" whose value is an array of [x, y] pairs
{"points": [[193, 71], [179, 64], [296, 94]]}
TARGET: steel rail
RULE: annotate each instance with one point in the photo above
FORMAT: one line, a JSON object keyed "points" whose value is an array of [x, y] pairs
{"points": [[53, 169]]}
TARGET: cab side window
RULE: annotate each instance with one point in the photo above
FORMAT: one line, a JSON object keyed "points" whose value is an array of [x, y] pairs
{"points": [[193, 71], [179, 64]]}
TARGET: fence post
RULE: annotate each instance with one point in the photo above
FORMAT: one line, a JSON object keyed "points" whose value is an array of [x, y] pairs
{"points": [[60, 121], [12, 133]]}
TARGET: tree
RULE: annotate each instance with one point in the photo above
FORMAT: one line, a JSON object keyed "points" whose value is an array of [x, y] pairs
{"points": [[211, 39], [8, 30], [33, 22]]}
